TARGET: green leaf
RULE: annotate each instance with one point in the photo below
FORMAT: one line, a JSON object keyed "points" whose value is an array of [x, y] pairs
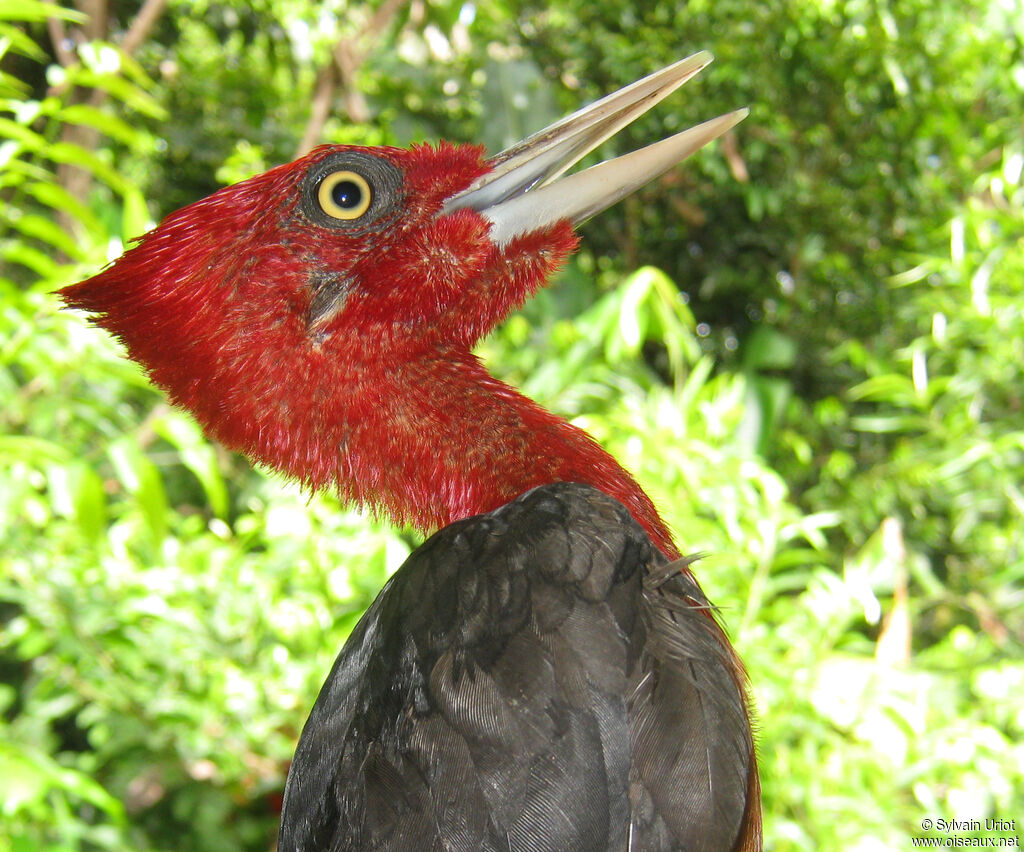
{"points": [[14, 40], [891, 388], [11, 87], [106, 122], [135, 219], [76, 492], [23, 783], [35, 11], [66, 152], [40, 262], [32, 449], [885, 423], [141, 479], [32, 225], [54, 195], [120, 89], [768, 349], [27, 776], [28, 139], [197, 455]]}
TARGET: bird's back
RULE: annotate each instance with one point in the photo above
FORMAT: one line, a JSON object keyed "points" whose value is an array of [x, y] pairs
{"points": [[536, 678]]}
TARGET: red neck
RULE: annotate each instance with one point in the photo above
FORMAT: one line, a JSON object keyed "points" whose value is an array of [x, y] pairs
{"points": [[428, 439]]}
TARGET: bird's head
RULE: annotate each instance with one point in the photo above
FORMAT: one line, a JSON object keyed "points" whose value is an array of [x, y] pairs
{"points": [[290, 310]]}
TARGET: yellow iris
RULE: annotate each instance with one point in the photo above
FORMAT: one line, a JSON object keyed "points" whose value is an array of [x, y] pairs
{"points": [[344, 195]]}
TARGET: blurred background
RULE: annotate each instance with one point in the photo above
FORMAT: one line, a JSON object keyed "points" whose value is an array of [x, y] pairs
{"points": [[807, 342]]}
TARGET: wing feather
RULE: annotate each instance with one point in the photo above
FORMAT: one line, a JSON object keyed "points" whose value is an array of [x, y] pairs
{"points": [[532, 679]]}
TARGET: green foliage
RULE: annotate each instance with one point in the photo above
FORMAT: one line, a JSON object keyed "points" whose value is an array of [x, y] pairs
{"points": [[822, 390], [941, 416], [31, 150], [168, 615]]}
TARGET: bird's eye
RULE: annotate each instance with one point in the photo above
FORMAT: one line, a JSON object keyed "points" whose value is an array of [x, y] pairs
{"points": [[353, 191], [344, 195]]}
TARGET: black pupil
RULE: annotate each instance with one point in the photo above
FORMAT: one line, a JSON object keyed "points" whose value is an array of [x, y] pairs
{"points": [[347, 194]]}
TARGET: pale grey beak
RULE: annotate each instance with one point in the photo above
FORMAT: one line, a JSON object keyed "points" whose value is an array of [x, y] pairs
{"points": [[521, 193]]}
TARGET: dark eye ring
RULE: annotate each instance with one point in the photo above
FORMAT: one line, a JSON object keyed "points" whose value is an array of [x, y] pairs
{"points": [[353, 191], [344, 195]]}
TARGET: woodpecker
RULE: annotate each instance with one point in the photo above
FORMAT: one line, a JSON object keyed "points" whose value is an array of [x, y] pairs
{"points": [[544, 672]]}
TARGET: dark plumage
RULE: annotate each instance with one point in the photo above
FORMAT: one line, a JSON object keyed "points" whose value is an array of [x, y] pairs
{"points": [[536, 678]]}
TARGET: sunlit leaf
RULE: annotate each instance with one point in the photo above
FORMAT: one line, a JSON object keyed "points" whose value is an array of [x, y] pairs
{"points": [[36, 10]]}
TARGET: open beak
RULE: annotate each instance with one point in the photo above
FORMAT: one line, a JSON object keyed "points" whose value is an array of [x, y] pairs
{"points": [[521, 193]]}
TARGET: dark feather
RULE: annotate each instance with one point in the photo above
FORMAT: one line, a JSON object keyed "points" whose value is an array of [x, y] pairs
{"points": [[537, 678]]}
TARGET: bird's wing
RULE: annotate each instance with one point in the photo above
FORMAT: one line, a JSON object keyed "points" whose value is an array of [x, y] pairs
{"points": [[523, 683], [695, 784]]}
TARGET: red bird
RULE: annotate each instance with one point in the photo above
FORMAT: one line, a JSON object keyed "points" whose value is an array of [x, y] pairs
{"points": [[544, 673]]}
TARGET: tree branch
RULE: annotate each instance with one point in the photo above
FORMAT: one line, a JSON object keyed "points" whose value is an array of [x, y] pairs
{"points": [[77, 181], [143, 25], [347, 56], [323, 96], [59, 37]]}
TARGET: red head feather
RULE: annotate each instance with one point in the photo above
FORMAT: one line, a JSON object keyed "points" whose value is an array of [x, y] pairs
{"points": [[341, 354]]}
